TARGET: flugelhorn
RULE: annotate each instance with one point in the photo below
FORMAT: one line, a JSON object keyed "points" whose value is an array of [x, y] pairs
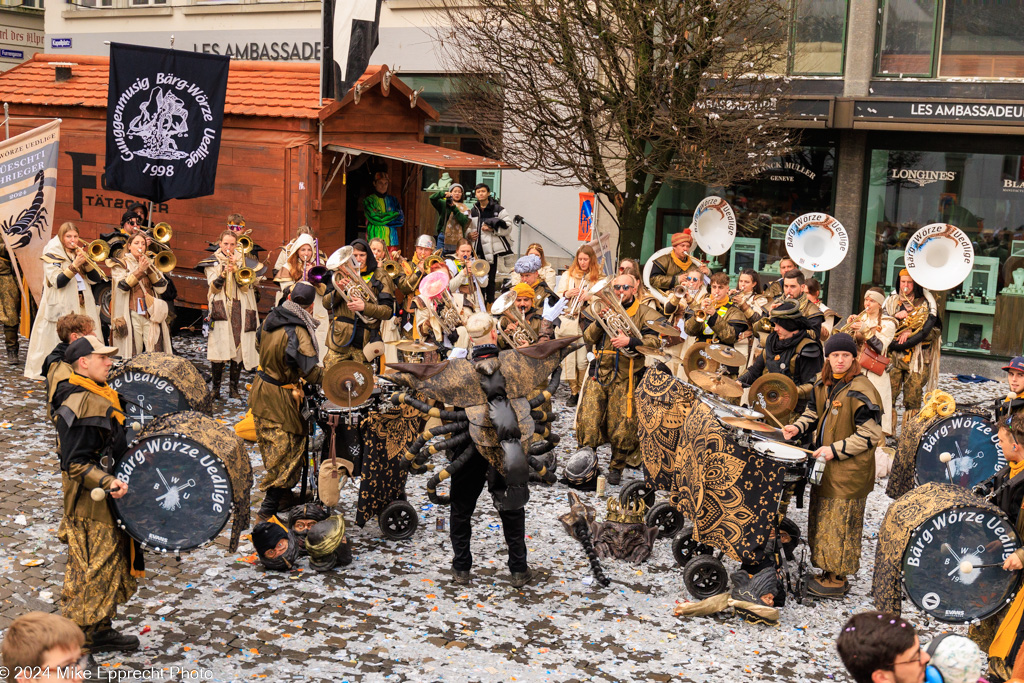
{"points": [[505, 307]]}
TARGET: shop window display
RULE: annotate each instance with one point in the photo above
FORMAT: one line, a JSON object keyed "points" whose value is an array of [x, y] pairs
{"points": [[983, 195]]}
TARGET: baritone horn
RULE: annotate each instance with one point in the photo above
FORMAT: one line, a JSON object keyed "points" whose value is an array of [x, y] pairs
{"points": [[505, 307], [607, 310], [343, 263]]}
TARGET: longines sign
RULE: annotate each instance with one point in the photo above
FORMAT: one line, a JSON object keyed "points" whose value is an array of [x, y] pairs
{"points": [[940, 112]]}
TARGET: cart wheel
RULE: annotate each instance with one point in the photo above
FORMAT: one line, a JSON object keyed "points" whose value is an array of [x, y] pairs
{"points": [[398, 521], [668, 520], [705, 577], [636, 490], [684, 548]]}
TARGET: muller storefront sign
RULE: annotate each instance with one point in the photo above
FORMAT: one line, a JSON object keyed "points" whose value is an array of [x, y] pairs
{"points": [[940, 111]]}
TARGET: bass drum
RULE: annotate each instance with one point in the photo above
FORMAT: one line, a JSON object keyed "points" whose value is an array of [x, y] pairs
{"points": [[973, 445], [938, 554], [179, 493]]}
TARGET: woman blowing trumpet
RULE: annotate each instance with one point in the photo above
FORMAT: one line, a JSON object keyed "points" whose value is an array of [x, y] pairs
{"points": [[138, 317], [233, 315], [583, 274]]}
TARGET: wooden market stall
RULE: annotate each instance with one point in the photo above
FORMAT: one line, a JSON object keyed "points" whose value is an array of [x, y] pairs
{"points": [[286, 158]]}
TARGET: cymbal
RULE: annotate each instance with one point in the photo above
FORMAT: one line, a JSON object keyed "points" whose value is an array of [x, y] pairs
{"points": [[663, 328], [726, 355], [415, 347], [697, 358], [717, 384], [348, 383], [652, 352], [753, 426], [773, 392]]}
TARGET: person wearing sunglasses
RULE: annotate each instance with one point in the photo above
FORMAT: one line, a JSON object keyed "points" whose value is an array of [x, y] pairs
{"points": [[670, 270], [879, 647], [606, 410]]}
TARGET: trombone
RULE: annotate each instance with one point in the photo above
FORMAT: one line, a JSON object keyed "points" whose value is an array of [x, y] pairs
{"points": [[162, 262], [477, 269], [96, 252]]}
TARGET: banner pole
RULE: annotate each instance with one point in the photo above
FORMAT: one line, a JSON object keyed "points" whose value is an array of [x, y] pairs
{"points": [[7, 122]]}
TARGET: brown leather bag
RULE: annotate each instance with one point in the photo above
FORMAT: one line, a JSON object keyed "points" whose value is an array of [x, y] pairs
{"points": [[872, 361]]}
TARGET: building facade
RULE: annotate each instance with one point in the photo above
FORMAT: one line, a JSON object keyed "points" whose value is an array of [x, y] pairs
{"points": [[908, 112], [21, 31]]}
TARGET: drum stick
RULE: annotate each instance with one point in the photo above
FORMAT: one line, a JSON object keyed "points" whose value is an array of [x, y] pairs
{"points": [[774, 419], [98, 493]]}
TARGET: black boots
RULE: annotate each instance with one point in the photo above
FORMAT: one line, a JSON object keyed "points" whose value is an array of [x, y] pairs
{"points": [[218, 375], [11, 339], [235, 372], [271, 503], [110, 640]]}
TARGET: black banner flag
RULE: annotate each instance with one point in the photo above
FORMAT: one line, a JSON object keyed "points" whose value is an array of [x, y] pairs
{"points": [[165, 110], [351, 33]]}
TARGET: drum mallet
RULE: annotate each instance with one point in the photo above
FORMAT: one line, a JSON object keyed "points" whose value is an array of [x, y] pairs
{"points": [[944, 458], [966, 567], [99, 493]]}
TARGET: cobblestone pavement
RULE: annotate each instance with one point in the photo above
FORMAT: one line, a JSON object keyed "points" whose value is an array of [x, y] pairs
{"points": [[394, 614]]}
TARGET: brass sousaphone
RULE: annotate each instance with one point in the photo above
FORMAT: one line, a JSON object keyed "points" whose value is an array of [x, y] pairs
{"points": [[773, 393], [817, 241], [348, 384], [939, 256]]}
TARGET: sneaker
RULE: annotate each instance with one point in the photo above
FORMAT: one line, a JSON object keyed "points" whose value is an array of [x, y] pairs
{"points": [[573, 401], [520, 579], [462, 576], [614, 477], [111, 641]]}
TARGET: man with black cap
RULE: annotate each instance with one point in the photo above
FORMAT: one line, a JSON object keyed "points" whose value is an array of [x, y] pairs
{"points": [[793, 290], [289, 357], [789, 350], [356, 323], [102, 564], [276, 546]]}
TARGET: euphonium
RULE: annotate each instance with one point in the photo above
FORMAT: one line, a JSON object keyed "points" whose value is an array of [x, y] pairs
{"points": [[356, 287], [505, 306], [607, 310], [915, 319]]}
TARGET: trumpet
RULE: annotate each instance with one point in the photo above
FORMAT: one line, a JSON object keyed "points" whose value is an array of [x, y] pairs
{"points": [[96, 252], [607, 310], [505, 307], [575, 307], [356, 287]]}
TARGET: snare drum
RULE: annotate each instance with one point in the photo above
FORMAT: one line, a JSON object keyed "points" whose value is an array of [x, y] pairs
{"points": [[794, 459]]}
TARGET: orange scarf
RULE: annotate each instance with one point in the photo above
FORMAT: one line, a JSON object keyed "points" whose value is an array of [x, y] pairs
{"points": [[104, 391]]}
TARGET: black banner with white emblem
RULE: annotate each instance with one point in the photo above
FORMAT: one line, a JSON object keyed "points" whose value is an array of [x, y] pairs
{"points": [[165, 110]]}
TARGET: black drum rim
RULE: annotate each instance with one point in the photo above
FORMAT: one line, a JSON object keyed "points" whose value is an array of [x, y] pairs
{"points": [[176, 549]]}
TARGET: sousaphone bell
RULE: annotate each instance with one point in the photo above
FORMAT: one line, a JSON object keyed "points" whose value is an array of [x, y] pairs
{"points": [[939, 256]]}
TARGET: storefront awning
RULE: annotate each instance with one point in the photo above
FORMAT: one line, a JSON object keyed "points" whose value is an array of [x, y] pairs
{"points": [[422, 154]]}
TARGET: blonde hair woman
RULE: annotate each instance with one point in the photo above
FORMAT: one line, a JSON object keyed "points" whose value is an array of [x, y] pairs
{"points": [[547, 272], [301, 257], [68, 277], [138, 317], [234, 318], [583, 274]]}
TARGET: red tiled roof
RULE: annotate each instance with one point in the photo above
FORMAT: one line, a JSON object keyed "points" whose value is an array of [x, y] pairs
{"points": [[276, 89]]}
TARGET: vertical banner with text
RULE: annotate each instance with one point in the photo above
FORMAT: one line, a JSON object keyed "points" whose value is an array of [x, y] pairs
{"points": [[28, 188]]}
